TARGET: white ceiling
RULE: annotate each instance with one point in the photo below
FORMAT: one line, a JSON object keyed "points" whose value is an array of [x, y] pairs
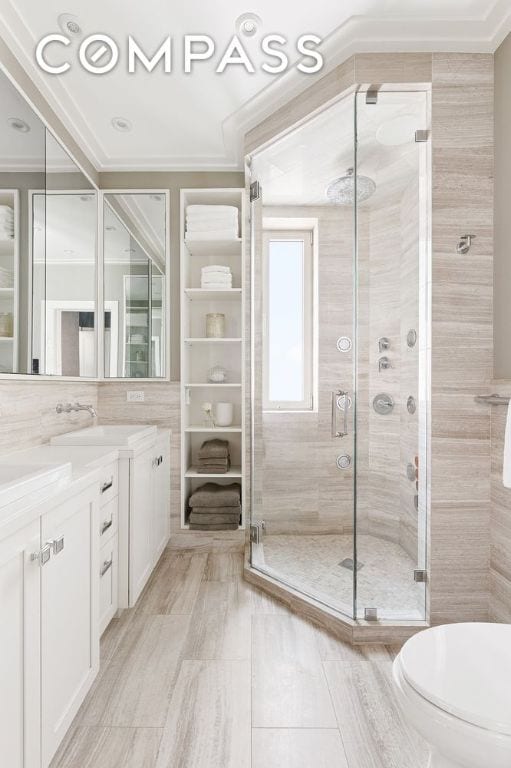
{"points": [[185, 122]]}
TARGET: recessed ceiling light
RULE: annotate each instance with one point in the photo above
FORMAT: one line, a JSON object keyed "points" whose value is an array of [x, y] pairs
{"points": [[121, 124], [17, 124], [247, 24], [129, 250], [69, 24], [85, 198], [157, 198], [68, 252], [111, 228]]}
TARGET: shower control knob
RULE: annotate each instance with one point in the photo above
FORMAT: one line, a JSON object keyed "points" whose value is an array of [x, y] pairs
{"points": [[344, 461]]}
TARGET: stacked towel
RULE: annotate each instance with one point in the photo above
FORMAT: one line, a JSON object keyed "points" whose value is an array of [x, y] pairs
{"points": [[215, 507], [212, 222], [6, 222], [214, 457], [216, 276]]}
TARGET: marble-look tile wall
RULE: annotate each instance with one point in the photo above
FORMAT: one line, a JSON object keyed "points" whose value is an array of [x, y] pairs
{"points": [[462, 338], [500, 521], [27, 411]]}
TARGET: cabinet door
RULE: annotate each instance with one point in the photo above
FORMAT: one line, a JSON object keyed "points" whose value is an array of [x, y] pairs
{"points": [[69, 614], [141, 522], [161, 490], [19, 649]]}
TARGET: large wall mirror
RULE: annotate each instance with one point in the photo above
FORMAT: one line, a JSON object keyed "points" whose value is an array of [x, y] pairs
{"points": [[48, 233], [135, 284]]}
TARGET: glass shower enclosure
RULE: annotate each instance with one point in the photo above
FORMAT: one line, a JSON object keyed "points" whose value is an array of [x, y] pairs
{"points": [[339, 274]]}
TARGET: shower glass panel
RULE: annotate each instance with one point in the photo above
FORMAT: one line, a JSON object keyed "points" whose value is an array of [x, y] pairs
{"points": [[392, 353], [339, 356], [302, 259]]}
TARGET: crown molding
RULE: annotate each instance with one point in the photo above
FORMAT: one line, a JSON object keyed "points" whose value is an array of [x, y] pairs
{"points": [[357, 35]]}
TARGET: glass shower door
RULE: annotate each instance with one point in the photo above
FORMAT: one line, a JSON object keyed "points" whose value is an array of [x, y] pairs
{"points": [[392, 322], [302, 360]]}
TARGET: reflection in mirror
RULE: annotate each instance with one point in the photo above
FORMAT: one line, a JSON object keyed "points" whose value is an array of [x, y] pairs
{"points": [[22, 169], [64, 303], [134, 255]]}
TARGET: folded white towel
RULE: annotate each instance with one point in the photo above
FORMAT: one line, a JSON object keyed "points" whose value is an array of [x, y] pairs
{"points": [[206, 226], [217, 279], [206, 210], [506, 474], [213, 234], [216, 268], [216, 287]]}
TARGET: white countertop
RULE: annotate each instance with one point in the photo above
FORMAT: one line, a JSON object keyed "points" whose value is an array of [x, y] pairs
{"points": [[86, 463]]}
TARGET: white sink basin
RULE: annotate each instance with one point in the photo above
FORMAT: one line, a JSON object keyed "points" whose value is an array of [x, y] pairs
{"points": [[26, 480], [120, 435]]}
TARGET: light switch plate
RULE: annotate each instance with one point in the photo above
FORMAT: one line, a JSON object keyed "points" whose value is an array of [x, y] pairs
{"points": [[135, 396]]}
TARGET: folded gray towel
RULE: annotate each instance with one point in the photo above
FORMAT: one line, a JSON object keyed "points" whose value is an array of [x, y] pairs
{"points": [[214, 462], [217, 510], [205, 469], [214, 449], [214, 527], [207, 518], [215, 495]]}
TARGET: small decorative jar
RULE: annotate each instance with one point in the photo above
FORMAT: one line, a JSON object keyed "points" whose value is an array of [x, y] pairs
{"points": [[224, 413], [215, 325]]}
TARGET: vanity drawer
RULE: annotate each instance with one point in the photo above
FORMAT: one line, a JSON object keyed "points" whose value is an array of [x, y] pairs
{"points": [[109, 483], [108, 582], [108, 518]]}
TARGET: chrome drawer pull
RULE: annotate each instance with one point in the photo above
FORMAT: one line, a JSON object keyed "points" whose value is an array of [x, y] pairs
{"points": [[107, 485], [57, 545], [106, 566], [106, 525]]}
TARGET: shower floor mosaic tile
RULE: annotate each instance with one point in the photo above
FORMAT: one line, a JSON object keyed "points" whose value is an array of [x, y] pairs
{"points": [[312, 564]]}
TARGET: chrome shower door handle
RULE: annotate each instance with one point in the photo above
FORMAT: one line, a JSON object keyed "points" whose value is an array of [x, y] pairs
{"points": [[337, 395]]}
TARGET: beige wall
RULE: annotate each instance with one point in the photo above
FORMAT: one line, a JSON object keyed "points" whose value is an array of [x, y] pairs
{"points": [[174, 182], [27, 411], [502, 264]]}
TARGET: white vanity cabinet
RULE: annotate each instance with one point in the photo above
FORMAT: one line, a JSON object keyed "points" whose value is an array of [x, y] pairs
{"points": [[149, 514], [69, 614], [19, 649]]}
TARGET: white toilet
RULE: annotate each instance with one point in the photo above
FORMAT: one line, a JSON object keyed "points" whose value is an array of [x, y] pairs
{"points": [[454, 686]]}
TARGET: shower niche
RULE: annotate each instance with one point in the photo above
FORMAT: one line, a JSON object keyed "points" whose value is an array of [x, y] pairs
{"points": [[355, 182]]}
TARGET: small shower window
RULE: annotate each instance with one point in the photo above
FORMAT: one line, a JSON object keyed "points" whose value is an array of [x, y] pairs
{"points": [[288, 321]]}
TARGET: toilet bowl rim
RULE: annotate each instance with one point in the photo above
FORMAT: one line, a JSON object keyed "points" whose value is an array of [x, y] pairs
{"points": [[407, 688]]}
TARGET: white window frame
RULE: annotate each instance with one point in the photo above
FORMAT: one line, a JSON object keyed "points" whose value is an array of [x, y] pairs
{"points": [[307, 237]]}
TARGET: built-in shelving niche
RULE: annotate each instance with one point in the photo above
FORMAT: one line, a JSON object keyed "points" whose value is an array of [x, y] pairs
{"points": [[199, 354]]}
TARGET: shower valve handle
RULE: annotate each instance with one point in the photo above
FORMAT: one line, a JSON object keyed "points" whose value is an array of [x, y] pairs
{"points": [[339, 395]]}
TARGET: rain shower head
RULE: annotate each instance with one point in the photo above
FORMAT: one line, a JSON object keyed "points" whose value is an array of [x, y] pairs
{"points": [[341, 191]]}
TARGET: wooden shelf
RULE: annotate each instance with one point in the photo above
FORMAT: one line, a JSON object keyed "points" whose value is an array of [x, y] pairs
{"points": [[212, 429], [205, 340], [212, 384], [214, 247], [207, 294], [233, 472]]}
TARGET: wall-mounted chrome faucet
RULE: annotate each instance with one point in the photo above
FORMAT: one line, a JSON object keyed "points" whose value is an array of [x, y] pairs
{"points": [[69, 407], [464, 244], [384, 363]]}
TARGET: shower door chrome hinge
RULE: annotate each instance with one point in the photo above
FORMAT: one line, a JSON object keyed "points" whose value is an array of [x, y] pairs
{"points": [[371, 614], [372, 96], [256, 531], [255, 191], [420, 575], [421, 136]]}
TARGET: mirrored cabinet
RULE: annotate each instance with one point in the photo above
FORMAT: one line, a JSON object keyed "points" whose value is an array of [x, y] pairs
{"points": [[134, 284], [64, 247]]}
